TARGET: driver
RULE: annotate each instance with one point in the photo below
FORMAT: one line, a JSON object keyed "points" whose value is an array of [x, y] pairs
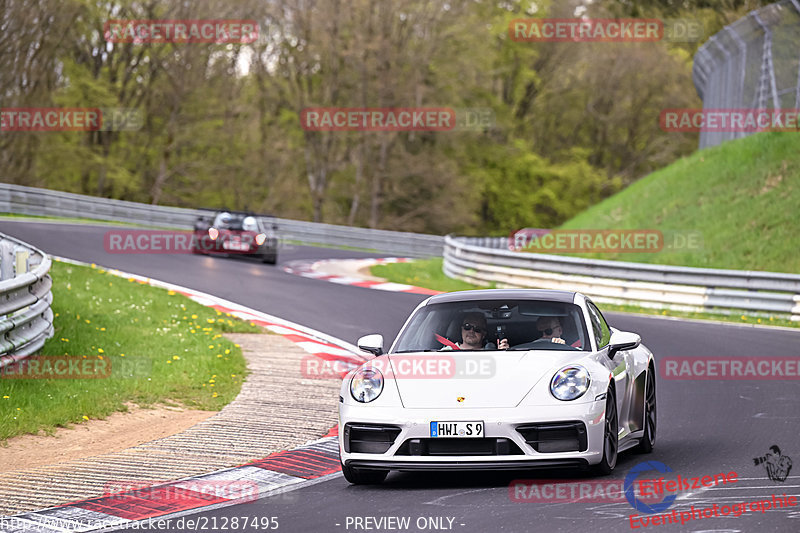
{"points": [[473, 334], [551, 329]]}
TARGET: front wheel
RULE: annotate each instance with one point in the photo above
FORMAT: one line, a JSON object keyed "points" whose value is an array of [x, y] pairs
{"points": [[610, 437], [358, 476], [648, 441]]}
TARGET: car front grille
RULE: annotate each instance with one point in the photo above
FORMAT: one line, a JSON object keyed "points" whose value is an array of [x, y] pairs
{"points": [[555, 437], [444, 446]]}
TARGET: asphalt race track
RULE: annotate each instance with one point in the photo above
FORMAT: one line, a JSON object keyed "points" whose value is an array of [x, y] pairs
{"points": [[704, 427]]}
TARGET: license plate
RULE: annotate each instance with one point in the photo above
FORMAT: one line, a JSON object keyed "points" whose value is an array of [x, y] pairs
{"points": [[466, 430], [239, 246]]}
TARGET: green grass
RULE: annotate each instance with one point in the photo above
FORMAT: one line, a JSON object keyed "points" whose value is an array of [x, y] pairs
{"points": [[428, 273], [163, 349], [422, 273], [73, 220], [742, 196]]}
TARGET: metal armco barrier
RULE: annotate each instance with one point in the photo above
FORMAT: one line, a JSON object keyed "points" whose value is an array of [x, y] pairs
{"points": [[26, 320], [480, 260], [44, 202], [483, 261]]}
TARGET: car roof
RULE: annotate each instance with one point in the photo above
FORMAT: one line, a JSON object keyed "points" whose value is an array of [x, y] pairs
{"points": [[217, 211], [504, 294]]}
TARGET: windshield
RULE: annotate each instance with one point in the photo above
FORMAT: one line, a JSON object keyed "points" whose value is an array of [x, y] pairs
{"points": [[236, 222], [526, 324]]}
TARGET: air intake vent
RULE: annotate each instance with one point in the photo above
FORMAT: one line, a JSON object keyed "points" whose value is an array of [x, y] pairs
{"points": [[444, 446], [369, 438], [555, 437]]}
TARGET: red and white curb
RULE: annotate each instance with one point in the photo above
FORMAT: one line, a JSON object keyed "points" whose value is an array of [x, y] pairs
{"points": [[312, 341], [325, 269], [273, 474], [277, 472]]}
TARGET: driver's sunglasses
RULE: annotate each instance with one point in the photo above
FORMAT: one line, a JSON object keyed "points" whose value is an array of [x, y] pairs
{"points": [[470, 327]]}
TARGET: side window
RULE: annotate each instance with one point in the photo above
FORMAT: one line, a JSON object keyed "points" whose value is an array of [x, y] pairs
{"points": [[599, 326]]}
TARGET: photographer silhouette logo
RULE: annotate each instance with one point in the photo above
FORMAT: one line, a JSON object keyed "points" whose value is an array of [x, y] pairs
{"points": [[777, 465]]}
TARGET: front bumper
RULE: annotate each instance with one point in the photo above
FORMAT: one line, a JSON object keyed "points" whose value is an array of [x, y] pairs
{"points": [[439, 466], [500, 425]]}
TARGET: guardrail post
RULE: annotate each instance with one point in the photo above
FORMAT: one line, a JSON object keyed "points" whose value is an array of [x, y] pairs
{"points": [[21, 263], [6, 260]]}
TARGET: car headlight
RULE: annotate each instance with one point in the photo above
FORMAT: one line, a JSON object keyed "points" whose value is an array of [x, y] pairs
{"points": [[213, 233], [570, 383], [260, 238], [366, 384]]}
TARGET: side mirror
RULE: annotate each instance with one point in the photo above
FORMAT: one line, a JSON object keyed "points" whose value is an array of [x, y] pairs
{"points": [[371, 343], [621, 341]]}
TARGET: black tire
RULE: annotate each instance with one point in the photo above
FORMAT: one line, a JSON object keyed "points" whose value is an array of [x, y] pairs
{"points": [[610, 437], [198, 245], [358, 476], [269, 259], [648, 441]]}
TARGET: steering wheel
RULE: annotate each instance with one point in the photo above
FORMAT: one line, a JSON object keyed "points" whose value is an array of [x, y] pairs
{"points": [[540, 342]]}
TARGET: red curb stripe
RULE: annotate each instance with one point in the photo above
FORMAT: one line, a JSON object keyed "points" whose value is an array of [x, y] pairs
{"points": [[304, 461], [366, 284], [300, 466], [307, 268], [301, 338], [159, 501], [422, 290], [336, 357], [308, 464]]}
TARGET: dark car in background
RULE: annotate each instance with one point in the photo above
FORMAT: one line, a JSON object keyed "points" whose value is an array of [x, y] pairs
{"points": [[236, 233]]}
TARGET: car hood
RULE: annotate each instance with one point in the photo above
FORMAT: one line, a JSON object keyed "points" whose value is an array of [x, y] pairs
{"points": [[473, 379]]}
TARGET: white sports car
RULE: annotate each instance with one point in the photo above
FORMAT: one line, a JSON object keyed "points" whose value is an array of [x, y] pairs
{"points": [[564, 390]]}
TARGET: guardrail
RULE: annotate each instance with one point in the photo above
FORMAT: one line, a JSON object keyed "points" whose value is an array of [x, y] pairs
{"points": [[44, 202], [482, 261], [26, 320]]}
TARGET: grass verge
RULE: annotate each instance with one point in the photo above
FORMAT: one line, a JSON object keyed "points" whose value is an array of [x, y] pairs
{"points": [[428, 273], [425, 273], [740, 196], [162, 347], [74, 220]]}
